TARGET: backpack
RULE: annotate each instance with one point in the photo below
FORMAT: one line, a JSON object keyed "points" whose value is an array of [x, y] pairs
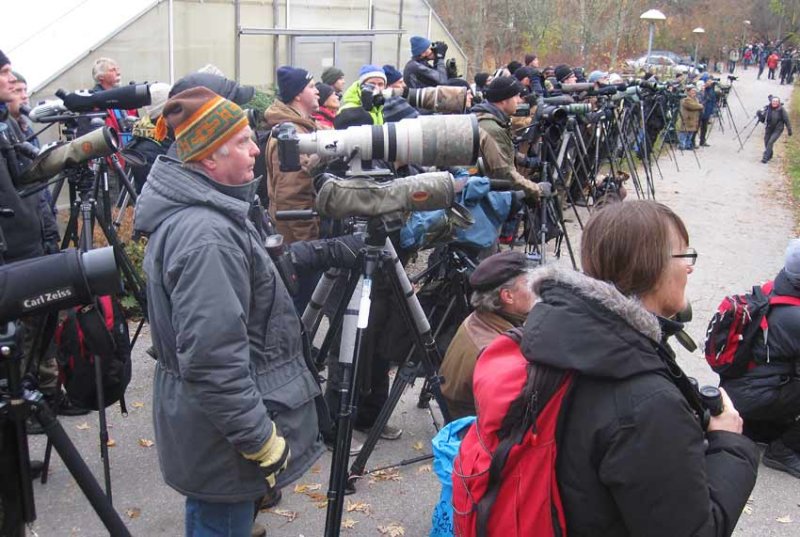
{"points": [[508, 457], [84, 334], [738, 326]]}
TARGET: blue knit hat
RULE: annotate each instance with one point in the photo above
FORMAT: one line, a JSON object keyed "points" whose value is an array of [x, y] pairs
{"points": [[419, 45], [370, 71], [392, 74], [291, 81]]}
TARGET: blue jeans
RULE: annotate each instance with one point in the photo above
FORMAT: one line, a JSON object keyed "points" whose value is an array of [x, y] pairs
{"points": [[207, 519], [685, 139]]}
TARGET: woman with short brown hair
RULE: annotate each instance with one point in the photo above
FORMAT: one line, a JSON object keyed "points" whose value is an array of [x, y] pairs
{"points": [[635, 456]]}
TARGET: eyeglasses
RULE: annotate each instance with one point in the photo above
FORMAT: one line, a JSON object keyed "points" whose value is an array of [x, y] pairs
{"points": [[690, 256]]}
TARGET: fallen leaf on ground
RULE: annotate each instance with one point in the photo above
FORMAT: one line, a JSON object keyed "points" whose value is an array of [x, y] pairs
{"points": [[83, 426], [144, 442], [321, 505], [285, 513], [392, 530], [748, 510], [305, 489], [392, 474], [111, 442], [133, 512], [137, 404], [316, 469], [426, 469], [317, 497], [359, 507], [418, 446], [784, 519], [349, 523]]}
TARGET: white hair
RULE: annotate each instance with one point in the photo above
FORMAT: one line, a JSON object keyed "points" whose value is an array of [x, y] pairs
{"points": [[101, 66]]}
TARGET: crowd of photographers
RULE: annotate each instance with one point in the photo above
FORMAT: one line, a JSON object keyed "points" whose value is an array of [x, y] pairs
{"points": [[238, 409]]}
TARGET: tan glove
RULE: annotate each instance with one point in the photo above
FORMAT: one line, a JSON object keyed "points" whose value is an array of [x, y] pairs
{"points": [[273, 457]]}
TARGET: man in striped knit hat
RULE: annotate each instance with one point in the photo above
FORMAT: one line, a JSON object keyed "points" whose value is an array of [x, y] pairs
{"points": [[233, 400]]}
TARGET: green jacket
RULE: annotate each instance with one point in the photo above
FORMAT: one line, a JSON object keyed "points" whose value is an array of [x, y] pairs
{"points": [[352, 99]]}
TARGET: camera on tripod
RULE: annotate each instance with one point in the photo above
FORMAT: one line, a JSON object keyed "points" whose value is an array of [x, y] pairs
{"points": [[426, 141]]}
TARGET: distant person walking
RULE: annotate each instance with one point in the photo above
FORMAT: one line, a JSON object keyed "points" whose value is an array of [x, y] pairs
{"points": [[774, 120], [772, 64]]}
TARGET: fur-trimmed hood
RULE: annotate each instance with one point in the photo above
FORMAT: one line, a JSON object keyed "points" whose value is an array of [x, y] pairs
{"points": [[587, 325]]}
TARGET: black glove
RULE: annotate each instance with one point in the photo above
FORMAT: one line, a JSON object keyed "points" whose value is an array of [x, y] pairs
{"points": [[340, 252], [440, 50], [546, 189]]}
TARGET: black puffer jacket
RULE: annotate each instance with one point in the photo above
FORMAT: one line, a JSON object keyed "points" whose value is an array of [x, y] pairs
{"points": [[777, 363], [632, 458]]}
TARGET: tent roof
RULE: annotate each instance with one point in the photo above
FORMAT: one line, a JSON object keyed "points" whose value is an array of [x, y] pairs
{"points": [[47, 36]]}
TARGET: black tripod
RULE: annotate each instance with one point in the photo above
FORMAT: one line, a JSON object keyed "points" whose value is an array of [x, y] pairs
{"points": [[84, 186], [352, 317], [21, 401]]}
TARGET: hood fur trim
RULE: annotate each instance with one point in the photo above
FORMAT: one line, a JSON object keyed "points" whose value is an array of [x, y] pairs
{"points": [[630, 309]]}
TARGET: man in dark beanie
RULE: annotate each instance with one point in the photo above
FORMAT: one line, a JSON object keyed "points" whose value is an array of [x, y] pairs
{"points": [[497, 147], [229, 426], [334, 77], [297, 101], [565, 74], [426, 68], [502, 297], [396, 107], [767, 395], [328, 107]]}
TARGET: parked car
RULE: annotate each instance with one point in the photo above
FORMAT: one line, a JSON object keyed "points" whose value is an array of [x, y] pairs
{"points": [[660, 64]]}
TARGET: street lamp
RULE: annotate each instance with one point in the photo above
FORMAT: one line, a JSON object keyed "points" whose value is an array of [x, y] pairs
{"points": [[651, 16], [698, 32], [745, 24]]}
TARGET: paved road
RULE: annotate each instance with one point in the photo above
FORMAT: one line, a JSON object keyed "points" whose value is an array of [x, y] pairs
{"points": [[737, 215]]}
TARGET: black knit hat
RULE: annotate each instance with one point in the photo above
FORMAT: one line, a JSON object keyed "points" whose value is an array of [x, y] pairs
{"points": [[480, 79], [325, 91], [224, 87], [513, 66], [291, 81], [497, 269], [4, 59], [503, 88], [563, 72], [524, 72], [331, 75]]}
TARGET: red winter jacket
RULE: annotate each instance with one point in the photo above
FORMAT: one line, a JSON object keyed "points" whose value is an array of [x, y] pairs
{"points": [[772, 61]]}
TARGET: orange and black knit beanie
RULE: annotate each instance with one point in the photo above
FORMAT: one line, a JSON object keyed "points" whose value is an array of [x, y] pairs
{"points": [[202, 121]]}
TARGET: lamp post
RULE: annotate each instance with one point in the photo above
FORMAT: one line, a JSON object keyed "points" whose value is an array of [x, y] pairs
{"points": [[745, 24], [651, 16], [698, 33]]}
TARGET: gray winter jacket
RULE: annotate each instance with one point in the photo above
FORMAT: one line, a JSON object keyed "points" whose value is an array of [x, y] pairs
{"points": [[231, 363]]}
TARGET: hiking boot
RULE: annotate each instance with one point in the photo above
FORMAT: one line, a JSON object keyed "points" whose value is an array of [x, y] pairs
{"points": [[780, 457], [272, 499], [355, 446], [389, 432], [259, 530]]}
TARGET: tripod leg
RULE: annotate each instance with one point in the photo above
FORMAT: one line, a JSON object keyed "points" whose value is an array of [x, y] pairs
{"points": [[98, 379], [312, 315], [353, 326], [80, 472]]}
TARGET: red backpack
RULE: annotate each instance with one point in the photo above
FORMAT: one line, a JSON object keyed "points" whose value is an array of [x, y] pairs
{"points": [[504, 477], [740, 324]]}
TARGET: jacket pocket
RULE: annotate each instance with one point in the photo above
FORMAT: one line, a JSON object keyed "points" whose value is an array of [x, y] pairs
{"points": [[290, 395]]}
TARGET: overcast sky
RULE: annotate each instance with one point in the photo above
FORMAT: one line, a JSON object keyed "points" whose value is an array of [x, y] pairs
{"points": [[43, 36]]}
